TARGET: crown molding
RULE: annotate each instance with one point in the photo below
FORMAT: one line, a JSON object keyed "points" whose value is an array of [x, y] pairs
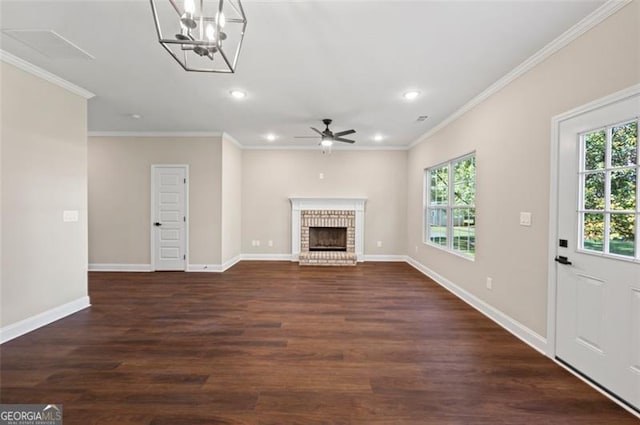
{"points": [[22, 64], [317, 148], [590, 21], [230, 138], [154, 134], [227, 136]]}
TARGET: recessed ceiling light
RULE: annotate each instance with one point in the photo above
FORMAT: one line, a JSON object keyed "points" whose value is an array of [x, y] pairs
{"points": [[271, 137], [378, 137], [238, 94], [135, 116], [410, 95]]}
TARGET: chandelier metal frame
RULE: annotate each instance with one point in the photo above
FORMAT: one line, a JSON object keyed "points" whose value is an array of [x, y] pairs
{"points": [[203, 36]]}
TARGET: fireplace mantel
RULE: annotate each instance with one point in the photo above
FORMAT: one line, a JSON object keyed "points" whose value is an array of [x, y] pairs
{"points": [[349, 204]]}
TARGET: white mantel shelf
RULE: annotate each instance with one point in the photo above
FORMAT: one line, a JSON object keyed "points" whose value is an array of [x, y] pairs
{"points": [[348, 204]]}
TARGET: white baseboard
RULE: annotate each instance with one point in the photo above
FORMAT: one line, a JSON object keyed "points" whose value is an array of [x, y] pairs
{"points": [[231, 262], [385, 258], [267, 257], [9, 332], [519, 330], [219, 268], [207, 268], [214, 268], [119, 267]]}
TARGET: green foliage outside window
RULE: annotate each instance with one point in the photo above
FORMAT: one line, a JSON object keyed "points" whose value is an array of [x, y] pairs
{"points": [[622, 173], [451, 208]]}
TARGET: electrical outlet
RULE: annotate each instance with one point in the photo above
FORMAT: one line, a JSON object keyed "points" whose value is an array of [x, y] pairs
{"points": [[257, 243], [416, 248], [321, 176], [489, 283], [379, 243], [270, 243]]}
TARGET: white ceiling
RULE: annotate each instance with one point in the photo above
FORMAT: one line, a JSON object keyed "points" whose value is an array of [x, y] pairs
{"points": [[301, 61]]}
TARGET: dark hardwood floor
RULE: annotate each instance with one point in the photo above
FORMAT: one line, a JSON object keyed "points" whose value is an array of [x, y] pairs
{"points": [[275, 343]]}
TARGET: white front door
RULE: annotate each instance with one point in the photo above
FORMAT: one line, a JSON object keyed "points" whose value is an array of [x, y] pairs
{"points": [[598, 262], [168, 217]]}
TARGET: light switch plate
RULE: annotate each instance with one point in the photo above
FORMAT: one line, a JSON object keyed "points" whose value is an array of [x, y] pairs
{"points": [[525, 219], [70, 216]]}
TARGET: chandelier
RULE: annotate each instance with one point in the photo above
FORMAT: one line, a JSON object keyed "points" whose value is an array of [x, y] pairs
{"points": [[202, 35]]}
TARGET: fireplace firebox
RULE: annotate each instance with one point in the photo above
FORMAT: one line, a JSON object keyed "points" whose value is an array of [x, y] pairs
{"points": [[327, 239]]}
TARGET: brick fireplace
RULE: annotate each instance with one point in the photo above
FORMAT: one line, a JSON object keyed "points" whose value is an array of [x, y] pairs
{"points": [[327, 231], [327, 226]]}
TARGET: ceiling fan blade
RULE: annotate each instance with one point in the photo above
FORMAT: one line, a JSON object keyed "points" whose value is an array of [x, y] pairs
{"points": [[340, 139], [317, 131], [343, 133], [305, 137]]}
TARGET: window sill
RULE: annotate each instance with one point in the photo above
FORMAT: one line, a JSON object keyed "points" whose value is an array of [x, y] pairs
{"points": [[450, 251]]}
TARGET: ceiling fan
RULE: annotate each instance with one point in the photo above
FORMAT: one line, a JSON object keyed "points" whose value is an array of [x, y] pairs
{"points": [[328, 136]]}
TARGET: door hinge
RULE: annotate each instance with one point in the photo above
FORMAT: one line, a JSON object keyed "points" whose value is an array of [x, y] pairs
{"points": [[184, 257], [184, 219], [185, 181]]}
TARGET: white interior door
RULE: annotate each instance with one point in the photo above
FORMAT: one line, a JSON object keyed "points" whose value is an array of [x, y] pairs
{"points": [[168, 217], [598, 269]]}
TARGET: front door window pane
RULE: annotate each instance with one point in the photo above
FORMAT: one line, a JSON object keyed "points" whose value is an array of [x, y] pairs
{"points": [[624, 145], [595, 150], [623, 189], [609, 209], [622, 234], [594, 191], [593, 232]]}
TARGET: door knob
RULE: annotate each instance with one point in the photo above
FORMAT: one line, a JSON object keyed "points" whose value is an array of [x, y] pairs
{"points": [[563, 260], [157, 224]]}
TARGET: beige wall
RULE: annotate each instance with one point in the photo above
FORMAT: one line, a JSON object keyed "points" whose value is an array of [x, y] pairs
{"points": [[2, 124], [511, 134], [270, 177], [43, 172], [231, 199], [119, 196]]}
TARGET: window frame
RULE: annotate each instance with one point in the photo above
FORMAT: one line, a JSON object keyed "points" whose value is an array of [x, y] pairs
{"points": [[607, 211], [450, 207]]}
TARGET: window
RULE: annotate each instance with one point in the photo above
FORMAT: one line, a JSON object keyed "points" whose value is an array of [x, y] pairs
{"points": [[450, 198], [608, 210]]}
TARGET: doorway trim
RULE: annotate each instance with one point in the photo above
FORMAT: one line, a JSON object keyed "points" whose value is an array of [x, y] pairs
{"points": [[152, 245], [556, 121]]}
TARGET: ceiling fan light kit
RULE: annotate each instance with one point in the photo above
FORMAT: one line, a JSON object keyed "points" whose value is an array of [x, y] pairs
{"points": [[328, 137], [201, 35], [326, 144]]}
